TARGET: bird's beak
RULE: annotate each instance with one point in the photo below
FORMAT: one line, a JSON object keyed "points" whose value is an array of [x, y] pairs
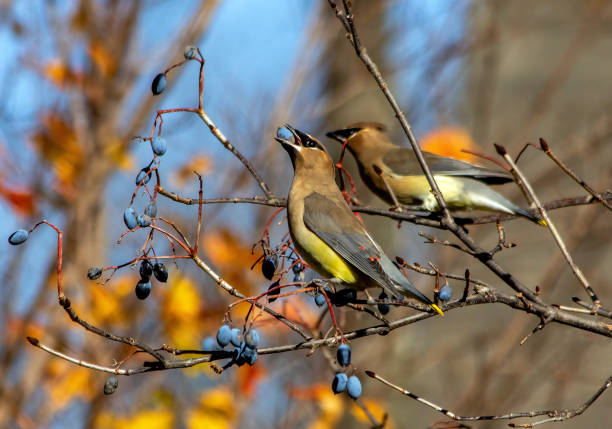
{"points": [[290, 146], [342, 135]]}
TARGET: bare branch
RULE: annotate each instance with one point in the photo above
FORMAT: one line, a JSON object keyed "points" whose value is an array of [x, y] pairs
{"points": [[554, 415]]}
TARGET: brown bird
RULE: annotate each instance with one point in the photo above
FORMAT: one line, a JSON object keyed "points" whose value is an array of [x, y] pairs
{"points": [[326, 233], [464, 186]]}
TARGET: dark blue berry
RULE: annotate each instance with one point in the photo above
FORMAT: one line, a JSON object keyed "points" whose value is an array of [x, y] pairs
{"points": [[343, 355], [94, 273], [143, 220], [319, 299], [249, 355], [268, 266], [236, 338], [353, 387], [343, 297], [159, 146], [190, 52], [339, 383], [151, 209], [445, 292], [383, 308], [159, 84], [143, 289], [251, 338], [18, 237], [143, 176], [209, 344], [272, 292], [299, 277], [129, 217], [146, 269], [224, 335], [110, 385], [239, 358], [160, 272], [298, 268]]}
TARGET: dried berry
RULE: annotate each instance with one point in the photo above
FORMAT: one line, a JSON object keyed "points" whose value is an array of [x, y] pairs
{"points": [[190, 52], [110, 385], [151, 209], [94, 273], [143, 220]]}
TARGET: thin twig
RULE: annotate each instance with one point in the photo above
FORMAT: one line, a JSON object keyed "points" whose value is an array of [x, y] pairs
{"points": [[546, 149], [554, 415], [551, 226]]}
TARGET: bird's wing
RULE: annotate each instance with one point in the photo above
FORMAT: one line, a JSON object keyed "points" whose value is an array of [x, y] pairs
{"points": [[335, 224], [402, 161]]}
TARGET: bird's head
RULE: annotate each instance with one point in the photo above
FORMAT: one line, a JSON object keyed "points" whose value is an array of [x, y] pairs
{"points": [[305, 151], [361, 136]]}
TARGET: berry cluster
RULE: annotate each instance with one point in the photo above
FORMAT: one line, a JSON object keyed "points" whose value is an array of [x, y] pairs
{"points": [[245, 345], [341, 381]]}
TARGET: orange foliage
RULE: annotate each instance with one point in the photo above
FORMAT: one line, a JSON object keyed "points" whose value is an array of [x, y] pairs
{"points": [[57, 143], [249, 377], [331, 406], [19, 198], [448, 141], [232, 256], [201, 164]]}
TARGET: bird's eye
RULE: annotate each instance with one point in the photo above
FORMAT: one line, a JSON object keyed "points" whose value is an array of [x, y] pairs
{"points": [[310, 143]]}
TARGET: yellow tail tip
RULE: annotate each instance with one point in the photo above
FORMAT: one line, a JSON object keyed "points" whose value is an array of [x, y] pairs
{"points": [[542, 222], [437, 309]]}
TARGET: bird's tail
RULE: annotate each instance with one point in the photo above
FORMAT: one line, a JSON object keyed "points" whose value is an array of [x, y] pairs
{"points": [[521, 211], [403, 286]]}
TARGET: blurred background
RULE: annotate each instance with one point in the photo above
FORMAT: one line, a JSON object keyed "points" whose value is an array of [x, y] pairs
{"points": [[75, 89]]}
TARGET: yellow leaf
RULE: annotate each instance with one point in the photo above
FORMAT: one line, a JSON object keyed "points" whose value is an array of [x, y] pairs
{"points": [[215, 411], [116, 150], [448, 141], [146, 419], [108, 301], [377, 410], [180, 313], [67, 381]]}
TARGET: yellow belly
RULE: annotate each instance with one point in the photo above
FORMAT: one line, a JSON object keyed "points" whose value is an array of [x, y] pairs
{"points": [[322, 258]]}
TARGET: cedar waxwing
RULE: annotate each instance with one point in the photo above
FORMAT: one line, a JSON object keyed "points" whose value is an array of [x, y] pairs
{"points": [[326, 233], [464, 186]]}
